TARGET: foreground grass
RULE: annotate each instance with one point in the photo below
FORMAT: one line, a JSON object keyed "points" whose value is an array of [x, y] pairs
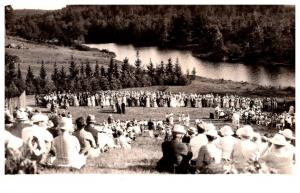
{"points": [[141, 158]]}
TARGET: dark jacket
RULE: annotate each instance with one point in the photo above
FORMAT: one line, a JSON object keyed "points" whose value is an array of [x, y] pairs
{"points": [[175, 158]]}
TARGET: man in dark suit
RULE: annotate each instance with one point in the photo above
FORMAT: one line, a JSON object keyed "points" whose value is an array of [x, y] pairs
{"points": [[176, 156], [90, 127]]}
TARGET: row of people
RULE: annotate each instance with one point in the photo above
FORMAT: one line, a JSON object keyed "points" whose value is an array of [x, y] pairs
{"points": [[155, 99]]}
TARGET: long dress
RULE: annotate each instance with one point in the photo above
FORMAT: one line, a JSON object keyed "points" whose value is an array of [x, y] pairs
{"points": [[76, 102], [147, 101], [173, 101]]}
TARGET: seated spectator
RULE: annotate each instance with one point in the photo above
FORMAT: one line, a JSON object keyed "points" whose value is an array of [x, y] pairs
{"points": [[209, 154], [86, 139], [67, 147], [176, 156], [278, 159]]}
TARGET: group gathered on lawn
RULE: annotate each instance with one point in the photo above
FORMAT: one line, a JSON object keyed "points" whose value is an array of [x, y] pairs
{"points": [[34, 139]]}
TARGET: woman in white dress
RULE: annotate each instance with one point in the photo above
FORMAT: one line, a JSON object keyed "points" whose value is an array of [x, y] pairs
{"points": [[76, 102], [173, 101], [147, 101]]}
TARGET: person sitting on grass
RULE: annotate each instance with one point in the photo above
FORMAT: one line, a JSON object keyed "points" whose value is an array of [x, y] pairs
{"points": [[90, 127], [209, 154], [86, 139], [278, 158], [66, 147], [176, 156]]}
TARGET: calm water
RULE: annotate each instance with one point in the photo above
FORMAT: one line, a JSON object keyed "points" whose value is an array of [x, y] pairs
{"points": [[274, 76]]}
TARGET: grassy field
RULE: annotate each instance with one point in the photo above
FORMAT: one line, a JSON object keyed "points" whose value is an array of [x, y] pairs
{"points": [[141, 159], [34, 53], [145, 151]]}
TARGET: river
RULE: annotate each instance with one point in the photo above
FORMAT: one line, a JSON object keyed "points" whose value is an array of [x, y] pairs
{"points": [[267, 76]]}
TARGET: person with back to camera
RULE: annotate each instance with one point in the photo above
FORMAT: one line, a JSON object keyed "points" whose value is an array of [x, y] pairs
{"points": [[176, 156]]}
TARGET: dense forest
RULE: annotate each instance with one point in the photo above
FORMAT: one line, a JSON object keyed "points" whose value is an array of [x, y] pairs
{"points": [[82, 77], [250, 34]]}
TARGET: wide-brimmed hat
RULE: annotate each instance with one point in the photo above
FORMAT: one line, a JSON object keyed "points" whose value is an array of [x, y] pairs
{"points": [[39, 118], [178, 129], [209, 126], [278, 139], [66, 124], [192, 130], [226, 130], [246, 131], [287, 133], [22, 116], [212, 132], [91, 119]]}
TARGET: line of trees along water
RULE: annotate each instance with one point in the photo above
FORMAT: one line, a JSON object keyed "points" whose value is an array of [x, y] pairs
{"points": [[83, 77], [237, 33]]}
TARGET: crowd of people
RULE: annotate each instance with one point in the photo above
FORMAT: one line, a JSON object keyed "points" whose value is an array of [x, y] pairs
{"points": [[190, 146], [118, 99], [207, 150]]}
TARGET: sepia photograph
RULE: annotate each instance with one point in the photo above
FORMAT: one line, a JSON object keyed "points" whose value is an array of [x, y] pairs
{"points": [[149, 89]]}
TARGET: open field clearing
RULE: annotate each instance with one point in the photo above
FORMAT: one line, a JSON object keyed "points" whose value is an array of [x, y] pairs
{"points": [[145, 151]]}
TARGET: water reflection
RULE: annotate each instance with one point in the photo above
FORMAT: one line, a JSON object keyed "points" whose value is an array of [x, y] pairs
{"points": [[274, 76]]}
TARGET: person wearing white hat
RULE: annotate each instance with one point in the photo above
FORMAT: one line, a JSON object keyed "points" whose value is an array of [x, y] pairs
{"points": [[226, 143], [209, 154], [288, 134], [244, 150], [67, 147], [38, 134], [198, 141], [175, 153], [20, 123], [279, 160]]}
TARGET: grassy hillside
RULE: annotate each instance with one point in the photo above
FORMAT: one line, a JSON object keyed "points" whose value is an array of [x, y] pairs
{"points": [[33, 53]]}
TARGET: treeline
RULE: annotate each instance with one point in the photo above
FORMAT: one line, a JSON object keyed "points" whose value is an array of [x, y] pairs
{"points": [[83, 77], [248, 33]]}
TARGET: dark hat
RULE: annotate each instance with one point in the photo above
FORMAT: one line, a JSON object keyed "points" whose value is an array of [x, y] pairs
{"points": [[80, 122], [91, 119]]}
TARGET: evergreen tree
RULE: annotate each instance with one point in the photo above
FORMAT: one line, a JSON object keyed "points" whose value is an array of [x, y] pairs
{"points": [[177, 73], [188, 76], [160, 74], [151, 72], [125, 74], [169, 73], [73, 71], [55, 76], [97, 70], [19, 74], [116, 71], [88, 70], [82, 71], [29, 82], [19, 82], [110, 70], [193, 77], [103, 71], [62, 79], [138, 70], [42, 77]]}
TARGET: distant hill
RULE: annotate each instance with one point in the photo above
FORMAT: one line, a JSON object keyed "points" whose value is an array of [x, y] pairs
{"points": [[30, 12]]}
